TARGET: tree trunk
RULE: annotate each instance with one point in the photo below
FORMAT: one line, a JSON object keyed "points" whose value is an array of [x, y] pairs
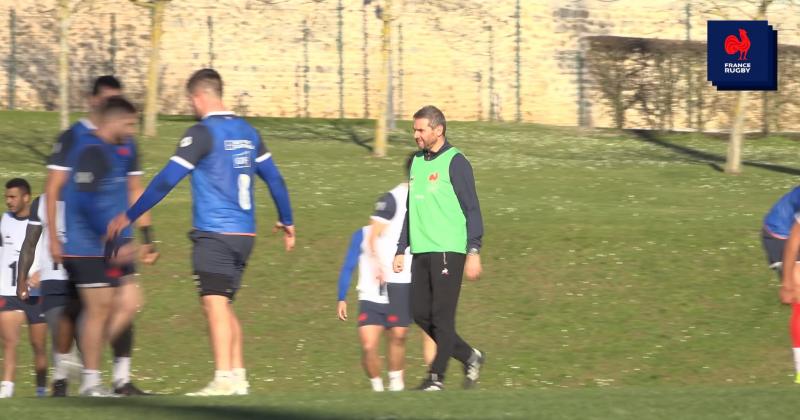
{"points": [[384, 91], [733, 163], [151, 98], [63, 62]]}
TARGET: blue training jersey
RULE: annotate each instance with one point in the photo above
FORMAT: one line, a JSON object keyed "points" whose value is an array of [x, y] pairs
{"points": [[96, 192], [66, 143], [222, 151], [781, 217]]}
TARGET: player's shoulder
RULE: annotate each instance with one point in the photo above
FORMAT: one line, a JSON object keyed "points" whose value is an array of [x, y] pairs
{"points": [[197, 133]]}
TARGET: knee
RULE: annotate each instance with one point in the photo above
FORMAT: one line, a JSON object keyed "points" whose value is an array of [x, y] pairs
{"points": [[369, 347]]}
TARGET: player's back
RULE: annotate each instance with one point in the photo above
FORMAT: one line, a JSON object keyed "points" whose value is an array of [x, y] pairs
{"points": [[781, 216], [222, 181], [13, 230], [100, 169], [48, 269], [391, 209], [66, 143]]}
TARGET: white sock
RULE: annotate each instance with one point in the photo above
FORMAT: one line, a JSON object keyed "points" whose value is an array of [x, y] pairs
{"points": [[7, 388], [223, 375], [796, 352], [396, 380], [60, 369], [90, 379], [239, 374], [122, 371], [377, 384]]}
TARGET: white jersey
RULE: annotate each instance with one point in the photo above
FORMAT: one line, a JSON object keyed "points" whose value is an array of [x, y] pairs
{"points": [[13, 233], [44, 261], [368, 286], [391, 210]]}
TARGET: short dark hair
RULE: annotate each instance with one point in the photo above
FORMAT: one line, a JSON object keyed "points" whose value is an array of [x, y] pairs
{"points": [[434, 115], [409, 161], [19, 183], [108, 82], [117, 104], [206, 78]]}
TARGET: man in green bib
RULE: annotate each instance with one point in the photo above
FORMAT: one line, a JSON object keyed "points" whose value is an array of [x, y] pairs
{"points": [[443, 227]]}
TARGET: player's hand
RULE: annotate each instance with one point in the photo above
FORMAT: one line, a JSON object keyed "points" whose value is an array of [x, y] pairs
{"points": [[288, 234], [35, 280], [472, 267], [117, 225], [399, 263], [56, 252], [22, 289], [148, 254], [341, 310], [786, 295]]}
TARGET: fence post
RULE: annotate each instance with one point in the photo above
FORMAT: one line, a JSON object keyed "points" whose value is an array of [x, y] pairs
{"points": [[340, 51], [210, 24], [12, 57], [401, 71], [112, 47], [492, 109], [306, 87], [366, 64], [517, 61]]}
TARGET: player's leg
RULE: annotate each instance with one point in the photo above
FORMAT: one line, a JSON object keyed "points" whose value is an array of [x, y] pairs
{"points": [[398, 319], [421, 297], [237, 355], [447, 270], [397, 357], [10, 323], [97, 303], [219, 261], [428, 349], [37, 335], [370, 336], [128, 300], [65, 354]]}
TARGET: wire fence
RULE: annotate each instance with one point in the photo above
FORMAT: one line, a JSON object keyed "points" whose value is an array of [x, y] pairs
{"points": [[508, 60]]}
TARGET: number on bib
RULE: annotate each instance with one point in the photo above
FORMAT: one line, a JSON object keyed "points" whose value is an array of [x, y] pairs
{"points": [[244, 192]]}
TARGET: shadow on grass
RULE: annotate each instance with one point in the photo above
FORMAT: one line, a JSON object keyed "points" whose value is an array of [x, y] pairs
{"points": [[711, 159], [212, 409]]}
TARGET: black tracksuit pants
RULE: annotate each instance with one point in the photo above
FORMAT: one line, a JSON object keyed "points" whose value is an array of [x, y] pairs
{"points": [[435, 286]]}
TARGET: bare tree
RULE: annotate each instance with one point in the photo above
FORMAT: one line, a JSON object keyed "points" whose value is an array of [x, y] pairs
{"points": [[385, 14], [64, 11], [724, 9], [157, 9]]}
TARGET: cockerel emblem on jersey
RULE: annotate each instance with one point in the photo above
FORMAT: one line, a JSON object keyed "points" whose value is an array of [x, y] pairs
{"points": [[433, 177], [739, 45]]}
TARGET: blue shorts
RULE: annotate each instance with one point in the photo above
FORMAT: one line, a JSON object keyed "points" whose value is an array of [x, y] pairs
{"points": [[32, 308], [396, 313]]}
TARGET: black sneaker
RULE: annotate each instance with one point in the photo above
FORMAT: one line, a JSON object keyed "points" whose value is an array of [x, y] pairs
{"points": [[472, 370], [432, 383], [130, 390], [59, 388]]}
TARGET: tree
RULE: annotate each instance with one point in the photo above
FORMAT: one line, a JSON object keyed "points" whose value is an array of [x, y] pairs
{"points": [[384, 111], [157, 8], [733, 161], [64, 11]]}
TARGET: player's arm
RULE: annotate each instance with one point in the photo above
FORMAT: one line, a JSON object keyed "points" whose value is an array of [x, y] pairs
{"points": [[27, 254], [148, 254], [195, 145], [385, 209], [464, 187], [58, 171], [402, 243], [790, 252], [346, 273], [269, 173]]}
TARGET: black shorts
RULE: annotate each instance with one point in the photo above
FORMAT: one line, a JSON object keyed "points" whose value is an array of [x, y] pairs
{"points": [[32, 308], [56, 293], [95, 272], [396, 313], [219, 261]]}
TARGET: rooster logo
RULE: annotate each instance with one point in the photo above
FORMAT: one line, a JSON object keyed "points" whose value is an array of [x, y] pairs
{"points": [[433, 177], [740, 45]]}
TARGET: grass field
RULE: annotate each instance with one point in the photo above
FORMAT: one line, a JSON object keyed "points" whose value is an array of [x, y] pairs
{"points": [[623, 278]]}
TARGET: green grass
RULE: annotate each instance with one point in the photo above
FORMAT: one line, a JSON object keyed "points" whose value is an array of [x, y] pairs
{"points": [[622, 278]]}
